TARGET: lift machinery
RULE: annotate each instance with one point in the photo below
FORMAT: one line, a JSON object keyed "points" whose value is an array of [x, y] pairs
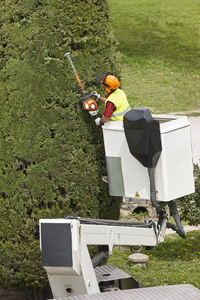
{"points": [[140, 143]]}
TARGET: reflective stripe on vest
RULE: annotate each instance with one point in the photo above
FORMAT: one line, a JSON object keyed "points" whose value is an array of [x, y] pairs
{"points": [[121, 113], [118, 98]]}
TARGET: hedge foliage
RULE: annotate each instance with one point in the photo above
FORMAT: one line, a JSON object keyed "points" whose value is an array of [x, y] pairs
{"points": [[51, 152]]}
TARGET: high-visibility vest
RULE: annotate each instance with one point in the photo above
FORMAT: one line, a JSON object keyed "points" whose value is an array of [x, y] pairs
{"points": [[118, 98]]}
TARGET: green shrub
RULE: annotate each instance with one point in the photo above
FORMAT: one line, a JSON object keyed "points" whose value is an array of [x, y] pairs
{"points": [[190, 205], [51, 152]]}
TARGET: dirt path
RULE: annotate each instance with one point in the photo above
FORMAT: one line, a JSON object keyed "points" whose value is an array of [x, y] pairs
{"points": [[187, 229]]}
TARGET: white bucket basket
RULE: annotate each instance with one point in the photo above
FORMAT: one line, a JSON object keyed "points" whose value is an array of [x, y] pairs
{"points": [[173, 173]]}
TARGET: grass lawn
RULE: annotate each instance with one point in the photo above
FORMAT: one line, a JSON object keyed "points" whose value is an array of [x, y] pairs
{"points": [[159, 57], [159, 50], [175, 261]]}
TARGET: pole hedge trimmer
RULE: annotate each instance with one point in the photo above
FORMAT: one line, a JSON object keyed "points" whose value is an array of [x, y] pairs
{"points": [[90, 99]]}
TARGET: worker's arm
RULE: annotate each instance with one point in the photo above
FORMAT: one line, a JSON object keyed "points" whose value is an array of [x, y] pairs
{"points": [[102, 99], [110, 108]]}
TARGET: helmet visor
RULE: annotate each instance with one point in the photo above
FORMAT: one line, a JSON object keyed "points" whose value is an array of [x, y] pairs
{"points": [[101, 77]]}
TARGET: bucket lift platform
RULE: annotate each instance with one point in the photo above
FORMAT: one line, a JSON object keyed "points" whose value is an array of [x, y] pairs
{"points": [[127, 176]]}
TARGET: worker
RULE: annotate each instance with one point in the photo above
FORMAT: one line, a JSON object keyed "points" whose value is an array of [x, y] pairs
{"points": [[116, 104]]}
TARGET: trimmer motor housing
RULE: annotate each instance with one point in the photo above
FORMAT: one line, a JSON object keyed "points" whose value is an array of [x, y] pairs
{"points": [[88, 101]]}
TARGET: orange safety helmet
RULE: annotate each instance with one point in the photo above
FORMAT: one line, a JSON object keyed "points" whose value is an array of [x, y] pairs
{"points": [[108, 80]]}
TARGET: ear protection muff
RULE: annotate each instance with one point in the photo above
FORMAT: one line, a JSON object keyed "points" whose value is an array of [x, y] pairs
{"points": [[104, 78]]}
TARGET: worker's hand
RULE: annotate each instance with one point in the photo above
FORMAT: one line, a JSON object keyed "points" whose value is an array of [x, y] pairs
{"points": [[97, 121], [96, 95]]}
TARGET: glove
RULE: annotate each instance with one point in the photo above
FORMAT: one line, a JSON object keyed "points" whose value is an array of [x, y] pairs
{"points": [[93, 113], [97, 121], [95, 94]]}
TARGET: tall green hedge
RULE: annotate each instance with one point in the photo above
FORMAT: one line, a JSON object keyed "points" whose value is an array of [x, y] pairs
{"points": [[51, 152]]}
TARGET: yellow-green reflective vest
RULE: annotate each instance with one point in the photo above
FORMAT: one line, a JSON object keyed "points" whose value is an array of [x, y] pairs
{"points": [[118, 98]]}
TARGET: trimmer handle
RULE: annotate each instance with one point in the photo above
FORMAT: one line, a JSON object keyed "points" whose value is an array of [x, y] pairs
{"points": [[86, 96]]}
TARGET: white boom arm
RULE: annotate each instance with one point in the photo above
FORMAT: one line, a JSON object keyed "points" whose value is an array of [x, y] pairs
{"points": [[65, 255]]}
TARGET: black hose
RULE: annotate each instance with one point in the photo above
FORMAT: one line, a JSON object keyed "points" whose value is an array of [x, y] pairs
{"points": [[179, 227], [153, 190], [99, 259], [172, 205]]}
